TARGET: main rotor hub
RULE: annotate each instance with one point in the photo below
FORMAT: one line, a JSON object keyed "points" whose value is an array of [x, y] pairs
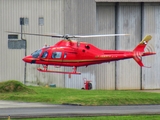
{"points": [[67, 36]]}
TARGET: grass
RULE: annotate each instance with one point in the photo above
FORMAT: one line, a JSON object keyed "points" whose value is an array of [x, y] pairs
{"points": [[74, 96], [133, 117], [14, 90], [13, 86]]}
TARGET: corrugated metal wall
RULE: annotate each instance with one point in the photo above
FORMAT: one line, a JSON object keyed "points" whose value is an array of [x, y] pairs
{"points": [[105, 73], [12, 66], [52, 12], [118, 18], [80, 18], [136, 19], [128, 73], [151, 25]]}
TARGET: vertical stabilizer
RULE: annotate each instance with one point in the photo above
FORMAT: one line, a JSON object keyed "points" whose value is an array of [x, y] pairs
{"points": [[140, 47], [139, 50]]}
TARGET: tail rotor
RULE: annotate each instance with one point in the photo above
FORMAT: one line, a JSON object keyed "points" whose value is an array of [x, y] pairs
{"points": [[140, 50]]}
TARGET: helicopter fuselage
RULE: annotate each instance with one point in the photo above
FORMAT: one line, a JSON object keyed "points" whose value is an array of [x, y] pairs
{"points": [[73, 53]]}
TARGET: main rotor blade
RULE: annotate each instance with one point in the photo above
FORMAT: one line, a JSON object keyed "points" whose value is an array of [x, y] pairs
{"points": [[46, 35], [67, 36], [106, 35]]}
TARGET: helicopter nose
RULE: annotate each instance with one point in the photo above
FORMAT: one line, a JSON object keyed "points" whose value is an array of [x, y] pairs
{"points": [[25, 59], [28, 59]]}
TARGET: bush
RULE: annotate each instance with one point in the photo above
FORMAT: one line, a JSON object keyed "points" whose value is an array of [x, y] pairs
{"points": [[13, 86]]}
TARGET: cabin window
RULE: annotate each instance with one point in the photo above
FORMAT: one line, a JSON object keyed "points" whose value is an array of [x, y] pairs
{"points": [[36, 53], [45, 54], [56, 54]]}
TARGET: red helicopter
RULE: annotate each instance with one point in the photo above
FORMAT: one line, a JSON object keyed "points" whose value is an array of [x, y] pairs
{"points": [[75, 54]]}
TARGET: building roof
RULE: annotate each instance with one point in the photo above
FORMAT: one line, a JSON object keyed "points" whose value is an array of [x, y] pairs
{"points": [[127, 0]]}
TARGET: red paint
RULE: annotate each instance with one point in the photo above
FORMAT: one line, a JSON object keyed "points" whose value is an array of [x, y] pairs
{"points": [[87, 84], [76, 54]]}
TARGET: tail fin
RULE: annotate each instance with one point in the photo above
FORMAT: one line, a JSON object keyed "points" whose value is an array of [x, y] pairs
{"points": [[140, 47], [139, 50]]}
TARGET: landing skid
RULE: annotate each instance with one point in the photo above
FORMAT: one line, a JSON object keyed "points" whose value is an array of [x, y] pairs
{"points": [[52, 71]]}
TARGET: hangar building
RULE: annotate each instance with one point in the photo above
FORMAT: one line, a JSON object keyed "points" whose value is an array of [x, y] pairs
{"points": [[83, 17]]}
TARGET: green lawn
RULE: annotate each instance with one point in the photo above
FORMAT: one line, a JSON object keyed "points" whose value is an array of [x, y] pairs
{"points": [[138, 117], [75, 96], [13, 90]]}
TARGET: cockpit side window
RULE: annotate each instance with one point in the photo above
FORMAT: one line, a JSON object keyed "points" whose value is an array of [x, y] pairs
{"points": [[56, 54], [45, 54], [36, 53]]}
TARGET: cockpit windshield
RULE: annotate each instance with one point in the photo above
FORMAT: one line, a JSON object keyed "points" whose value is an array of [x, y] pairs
{"points": [[36, 53]]}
